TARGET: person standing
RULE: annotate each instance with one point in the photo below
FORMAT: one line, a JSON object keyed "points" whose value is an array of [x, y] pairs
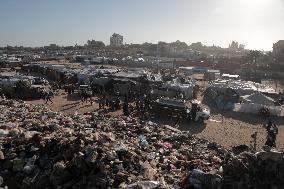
{"points": [[178, 117], [254, 140], [101, 102], [271, 136], [111, 105], [125, 108], [117, 103], [275, 133], [269, 125], [193, 111]]}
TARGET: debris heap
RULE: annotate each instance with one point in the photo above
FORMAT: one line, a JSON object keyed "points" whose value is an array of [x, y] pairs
{"points": [[45, 149]]}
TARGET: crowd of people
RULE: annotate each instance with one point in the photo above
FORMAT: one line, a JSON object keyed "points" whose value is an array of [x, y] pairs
{"points": [[141, 104]]}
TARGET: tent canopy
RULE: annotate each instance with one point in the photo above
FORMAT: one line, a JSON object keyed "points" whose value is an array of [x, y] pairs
{"points": [[258, 98]]}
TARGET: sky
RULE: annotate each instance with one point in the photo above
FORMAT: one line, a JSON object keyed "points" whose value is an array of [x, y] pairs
{"points": [[255, 23]]}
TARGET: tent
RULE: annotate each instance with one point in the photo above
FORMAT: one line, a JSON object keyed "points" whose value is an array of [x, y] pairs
{"points": [[258, 98]]}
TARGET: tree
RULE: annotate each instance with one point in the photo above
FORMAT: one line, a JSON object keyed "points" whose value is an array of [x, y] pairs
{"points": [[95, 44], [179, 45], [253, 56], [99, 44]]}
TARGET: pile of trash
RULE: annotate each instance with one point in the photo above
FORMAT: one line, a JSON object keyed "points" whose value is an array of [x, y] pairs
{"points": [[40, 148]]}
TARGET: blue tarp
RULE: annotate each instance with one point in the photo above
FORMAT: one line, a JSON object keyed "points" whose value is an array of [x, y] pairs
{"points": [[222, 104]]}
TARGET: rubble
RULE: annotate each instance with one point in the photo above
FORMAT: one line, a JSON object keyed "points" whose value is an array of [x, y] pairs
{"points": [[44, 149]]}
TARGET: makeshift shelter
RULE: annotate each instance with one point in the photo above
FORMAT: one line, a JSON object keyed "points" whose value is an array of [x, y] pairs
{"points": [[241, 87], [101, 81], [229, 76], [258, 98], [172, 102], [254, 109], [174, 89], [135, 76], [212, 75], [255, 102], [186, 70], [124, 86]]}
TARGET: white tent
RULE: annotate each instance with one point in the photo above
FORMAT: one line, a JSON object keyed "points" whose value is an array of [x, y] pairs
{"points": [[258, 98]]}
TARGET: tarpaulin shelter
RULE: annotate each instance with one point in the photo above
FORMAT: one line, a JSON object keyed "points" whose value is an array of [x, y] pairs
{"points": [[258, 98], [173, 89], [124, 86], [254, 109], [241, 87]]}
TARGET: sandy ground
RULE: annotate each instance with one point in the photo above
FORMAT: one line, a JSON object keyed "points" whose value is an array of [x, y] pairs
{"points": [[226, 128]]}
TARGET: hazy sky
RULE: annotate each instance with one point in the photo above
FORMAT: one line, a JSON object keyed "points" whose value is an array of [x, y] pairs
{"points": [[256, 23]]}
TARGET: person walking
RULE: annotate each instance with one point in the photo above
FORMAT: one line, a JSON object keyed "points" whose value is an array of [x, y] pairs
{"points": [[48, 97]]}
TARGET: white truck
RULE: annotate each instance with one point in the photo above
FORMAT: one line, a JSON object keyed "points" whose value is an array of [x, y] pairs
{"points": [[199, 112]]}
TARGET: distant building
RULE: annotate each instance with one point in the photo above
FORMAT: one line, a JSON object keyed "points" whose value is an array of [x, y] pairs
{"points": [[91, 42], [51, 47], [242, 47], [278, 50], [166, 65], [116, 40], [235, 46], [95, 44]]}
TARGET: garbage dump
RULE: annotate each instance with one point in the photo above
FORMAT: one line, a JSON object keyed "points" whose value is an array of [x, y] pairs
{"points": [[40, 148]]}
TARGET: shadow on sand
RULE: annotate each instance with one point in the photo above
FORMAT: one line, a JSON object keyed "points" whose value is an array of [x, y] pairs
{"points": [[71, 104], [73, 97], [185, 125]]}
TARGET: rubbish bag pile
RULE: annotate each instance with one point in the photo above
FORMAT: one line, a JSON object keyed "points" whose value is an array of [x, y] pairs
{"points": [[40, 148]]}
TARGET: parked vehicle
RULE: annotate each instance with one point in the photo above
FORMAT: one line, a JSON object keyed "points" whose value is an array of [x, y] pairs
{"points": [[193, 110], [199, 112]]}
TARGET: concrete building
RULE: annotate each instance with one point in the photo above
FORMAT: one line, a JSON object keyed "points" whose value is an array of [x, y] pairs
{"points": [[241, 47], [116, 40], [278, 48], [278, 52], [234, 46], [95, 44], [51, 47]]}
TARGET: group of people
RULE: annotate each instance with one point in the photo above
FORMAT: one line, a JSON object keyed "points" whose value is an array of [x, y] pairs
{"points": [[85, 95], [141, 104], [105, 101]]}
